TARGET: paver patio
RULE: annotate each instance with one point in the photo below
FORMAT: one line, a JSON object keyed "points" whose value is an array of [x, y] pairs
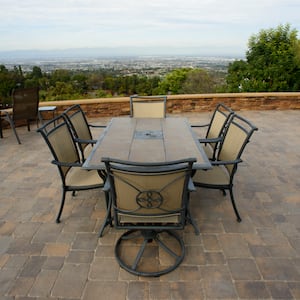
{"points": [[256, 259]]}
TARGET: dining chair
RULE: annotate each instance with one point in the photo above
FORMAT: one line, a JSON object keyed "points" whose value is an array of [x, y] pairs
{"points": [[66, 156], [215, 129], [25, 103], [148, 106], [222, 173], [150, 201], [81, 129]]}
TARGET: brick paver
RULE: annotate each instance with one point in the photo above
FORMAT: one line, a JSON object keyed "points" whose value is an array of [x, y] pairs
{"points": [[256, 259]]}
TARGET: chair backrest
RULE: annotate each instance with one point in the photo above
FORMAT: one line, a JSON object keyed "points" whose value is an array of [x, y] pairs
{"points": [[149, 195], [236, 137], [60, 140], [148, 106], [79, 124], [218, 121], [25, 104]]}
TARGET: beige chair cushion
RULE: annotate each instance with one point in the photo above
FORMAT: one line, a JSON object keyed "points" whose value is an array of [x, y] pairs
{"points": [[217, 175], [234, 140], [80, 126], [81, 177], [87, 150], [149, 109], [216, 126], [172, 197], [172, 218]]}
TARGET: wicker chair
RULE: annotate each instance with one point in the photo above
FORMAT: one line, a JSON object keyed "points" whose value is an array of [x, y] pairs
{"points": [[148, 106], [221, 176], [149, 200], [74, 178]]}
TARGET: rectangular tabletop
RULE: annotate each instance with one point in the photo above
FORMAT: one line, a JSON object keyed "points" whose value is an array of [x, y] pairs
{"points": [[147, 140]]}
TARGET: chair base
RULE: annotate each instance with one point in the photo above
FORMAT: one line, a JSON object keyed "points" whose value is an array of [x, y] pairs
{"points": [[159, 258]]}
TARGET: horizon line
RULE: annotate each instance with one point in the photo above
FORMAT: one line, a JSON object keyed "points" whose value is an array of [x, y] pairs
{"points": [[116, 51]]}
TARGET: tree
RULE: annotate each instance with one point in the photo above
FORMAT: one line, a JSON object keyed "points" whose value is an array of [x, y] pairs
{"points": [[173, 81], [272, 63], [61, 75], [62, 91], [9, 80], [79, 82], [36, 72], [95, 81], [32, 79], [187, 81], [6, 84], [198, 81], [237, 76]]}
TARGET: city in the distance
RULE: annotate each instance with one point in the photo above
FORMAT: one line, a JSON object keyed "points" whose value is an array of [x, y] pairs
{"points": [[87, 59]]}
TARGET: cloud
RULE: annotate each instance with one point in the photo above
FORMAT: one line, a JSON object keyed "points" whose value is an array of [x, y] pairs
{"points": [[91, 23]]}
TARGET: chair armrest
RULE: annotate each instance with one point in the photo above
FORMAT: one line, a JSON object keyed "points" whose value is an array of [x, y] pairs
{"points": [[200, 125], [191, 186], [97, 126], [226, 162], [107, 186], [66, 164], [82, 141], [210, 140]]}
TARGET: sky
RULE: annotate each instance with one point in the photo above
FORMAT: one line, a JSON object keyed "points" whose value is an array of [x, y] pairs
{"points": [[204, 27]]}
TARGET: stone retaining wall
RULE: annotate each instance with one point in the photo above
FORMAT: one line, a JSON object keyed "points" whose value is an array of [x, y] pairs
{"points": [[111, 107]]}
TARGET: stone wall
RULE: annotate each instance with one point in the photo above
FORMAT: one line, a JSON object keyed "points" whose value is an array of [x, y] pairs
{"points": [[112, 107]]}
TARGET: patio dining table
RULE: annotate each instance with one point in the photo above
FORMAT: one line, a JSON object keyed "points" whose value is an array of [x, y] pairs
{"points": [[147, 140]]}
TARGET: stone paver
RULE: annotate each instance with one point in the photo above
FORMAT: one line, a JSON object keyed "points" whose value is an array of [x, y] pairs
{"points": [[256, 259]]}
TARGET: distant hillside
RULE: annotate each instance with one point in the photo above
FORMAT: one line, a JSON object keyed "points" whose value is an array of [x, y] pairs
{"points": [[105, 52], [88, 60]]}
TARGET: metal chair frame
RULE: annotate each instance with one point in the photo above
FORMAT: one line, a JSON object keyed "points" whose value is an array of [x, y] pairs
{"points": [[228, 163], [149, 219], [81, 128], [215, 128], [67, 158]]}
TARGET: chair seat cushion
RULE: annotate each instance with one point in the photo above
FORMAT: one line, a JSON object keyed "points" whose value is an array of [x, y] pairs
{"points": [[218, 175], [171, 218], [81, 177]]}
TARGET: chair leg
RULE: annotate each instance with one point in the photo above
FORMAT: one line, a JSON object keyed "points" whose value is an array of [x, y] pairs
{"points": [[234, 206], [192, 222], [61, 206], [15, 131], [12, 125], [108, 218], [171, 246], [189, 217]]}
